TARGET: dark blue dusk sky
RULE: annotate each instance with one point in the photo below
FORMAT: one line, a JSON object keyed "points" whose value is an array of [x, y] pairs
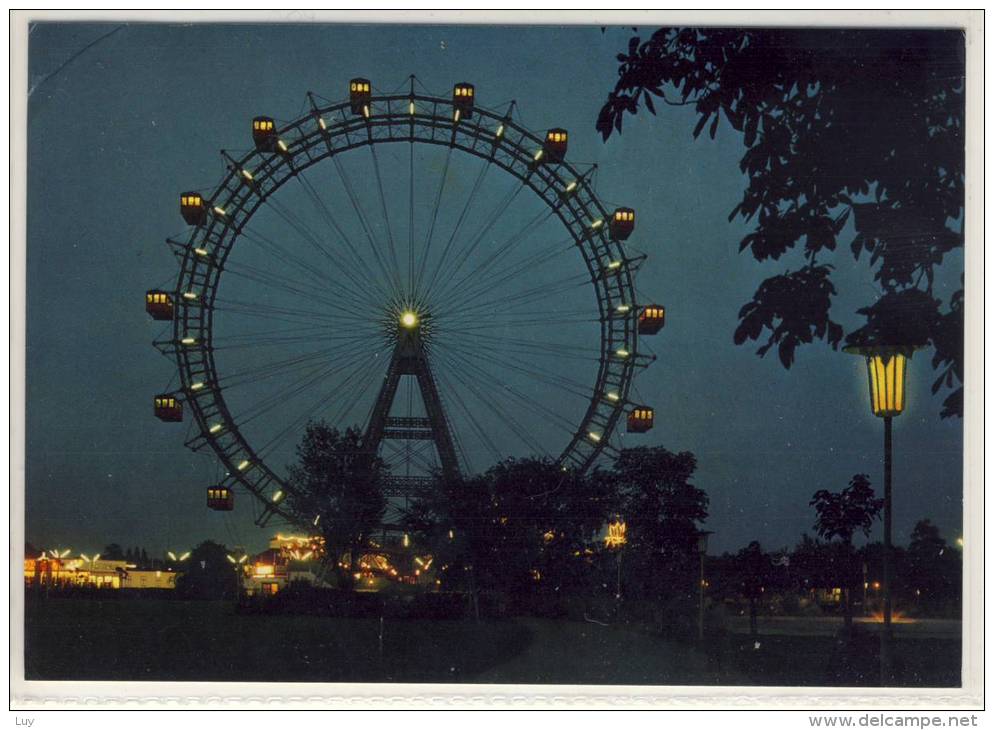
{"points": [[117, 131]]}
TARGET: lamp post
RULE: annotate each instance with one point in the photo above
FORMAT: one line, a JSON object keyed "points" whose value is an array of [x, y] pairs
{"points": [[702, 548], [616, 538], [887, 367]]}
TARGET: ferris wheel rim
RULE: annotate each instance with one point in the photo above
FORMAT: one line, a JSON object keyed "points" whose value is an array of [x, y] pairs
{"points": [[232, 212]]}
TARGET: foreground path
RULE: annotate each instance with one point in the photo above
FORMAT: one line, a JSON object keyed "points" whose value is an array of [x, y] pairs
{"points": [[570, 652]]}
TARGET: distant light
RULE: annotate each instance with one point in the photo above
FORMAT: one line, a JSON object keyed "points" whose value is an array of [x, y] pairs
{"points": [[188, 341], [232, 560], [597, 223], [409, 319], [538, 155], [219, 210], [83, 555], [612, 396], [216, 427], [317, 519], [959, 542], [614, 265], [571, 187], [247, 175], [171, 555], [241, 559], [622, 308], [455, 117], [242, 466], [407, 540], [595, 437], [321, 124], [183, 557], [200, 251], [500, 132], [189, 295], [278, 495], [365, 111], [411, 108], [622, 352], [282, 145], [197, 386]]}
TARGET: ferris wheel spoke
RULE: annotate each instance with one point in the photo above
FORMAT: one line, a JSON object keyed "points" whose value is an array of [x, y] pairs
{"points": [[362, 268], [488, 262], [522, 298], [367, 229], [282, 278], [490, 405], [523, 320], [279, 341], [490, 222], [284, 314], [280, 283], [365, 374], [505, 389], [275, 365], [461, 372], [304, 232], [285, 395], [547, 353], [311, 332], [386, 219], [497, 356], [282, 369], [548, 346], [410, 222], [477, 184], [426, 249], [284, 256], [480, 432], [509, 273]]}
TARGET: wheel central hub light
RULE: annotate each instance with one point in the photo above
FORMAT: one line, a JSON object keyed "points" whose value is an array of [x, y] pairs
{"points": [[409, 320]]}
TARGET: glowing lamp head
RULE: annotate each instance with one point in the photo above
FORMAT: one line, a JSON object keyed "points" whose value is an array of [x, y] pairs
{"points": [[887, 368], [409, 320]]}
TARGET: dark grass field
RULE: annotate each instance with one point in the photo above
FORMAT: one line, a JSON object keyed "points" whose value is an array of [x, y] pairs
{"points": [[160, 640]]}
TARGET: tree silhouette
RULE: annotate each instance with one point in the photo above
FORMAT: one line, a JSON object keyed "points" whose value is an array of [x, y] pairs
{"points": [[857, 126], [112, 552], [840, 515], [207, 574], [516, 528], [753, 568], [663, 512], [934, 568], [339, 484]]}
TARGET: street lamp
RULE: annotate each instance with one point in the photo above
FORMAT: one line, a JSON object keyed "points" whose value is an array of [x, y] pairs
{"points": [[887, 367], [616, 538], [702, 548]]}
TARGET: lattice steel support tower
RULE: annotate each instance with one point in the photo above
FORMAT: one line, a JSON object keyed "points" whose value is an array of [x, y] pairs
{"points": [[410, 357]]}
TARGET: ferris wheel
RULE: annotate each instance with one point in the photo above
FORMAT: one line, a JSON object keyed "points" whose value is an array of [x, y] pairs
{"points": [[444, 278]]}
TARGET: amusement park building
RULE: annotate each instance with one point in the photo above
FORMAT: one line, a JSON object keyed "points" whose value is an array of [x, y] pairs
{"points": [[100, 573]]}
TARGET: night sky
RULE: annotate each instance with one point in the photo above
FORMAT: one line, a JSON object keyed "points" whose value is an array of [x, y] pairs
{"points": [[117, 130]]}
